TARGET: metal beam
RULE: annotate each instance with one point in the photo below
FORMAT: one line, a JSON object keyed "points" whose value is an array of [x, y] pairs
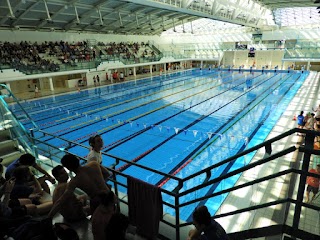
{"points": [[86, 15], [150, 3], [23, 14]]}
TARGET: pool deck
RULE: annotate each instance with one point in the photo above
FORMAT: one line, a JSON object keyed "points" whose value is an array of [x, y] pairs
{"points": [[306, 98]]}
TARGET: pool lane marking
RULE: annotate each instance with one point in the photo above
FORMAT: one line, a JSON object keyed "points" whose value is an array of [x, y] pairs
{"points": [[144, 96], [192, 155], [125, 166], [136, 117]]}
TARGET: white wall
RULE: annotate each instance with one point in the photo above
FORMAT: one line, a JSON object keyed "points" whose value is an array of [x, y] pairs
{"points": [[199, 39], [36, 36]]}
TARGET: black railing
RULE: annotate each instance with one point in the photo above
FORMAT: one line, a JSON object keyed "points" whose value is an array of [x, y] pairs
{"points": [[296, 200]]}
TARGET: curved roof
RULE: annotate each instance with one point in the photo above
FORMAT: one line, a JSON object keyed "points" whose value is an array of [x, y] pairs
{"points": [[144, 16]]}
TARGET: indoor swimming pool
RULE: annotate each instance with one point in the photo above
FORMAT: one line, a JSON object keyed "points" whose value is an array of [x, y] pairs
{"points": [[177, 123]]}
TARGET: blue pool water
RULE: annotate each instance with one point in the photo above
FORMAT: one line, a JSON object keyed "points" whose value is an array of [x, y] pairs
{"points": [[177, 124]]}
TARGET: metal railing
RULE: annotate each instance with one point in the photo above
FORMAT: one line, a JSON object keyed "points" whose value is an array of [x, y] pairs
{"points": [[179, 199], [290, 198]]}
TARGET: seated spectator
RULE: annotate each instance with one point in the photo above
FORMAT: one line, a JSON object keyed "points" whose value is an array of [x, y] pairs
{"points": [[15, 208], [206, 227], [2, 179], [22, 190], [30, 161], [75, 207]]}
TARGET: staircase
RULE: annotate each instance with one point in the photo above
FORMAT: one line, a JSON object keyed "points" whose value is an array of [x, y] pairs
{"points": [[9, 147]]}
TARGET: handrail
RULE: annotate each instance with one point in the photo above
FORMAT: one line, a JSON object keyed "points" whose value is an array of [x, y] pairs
{"points": [[177, 205], [17, 130], [103, 153], [16, 100]]}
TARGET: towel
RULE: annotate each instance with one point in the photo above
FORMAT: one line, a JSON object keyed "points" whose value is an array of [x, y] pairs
{"points": [[145, 207]]}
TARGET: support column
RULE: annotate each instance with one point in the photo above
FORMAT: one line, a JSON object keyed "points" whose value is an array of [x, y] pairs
{"points": [[4, 91], [8, 86], [134, 72], [151, 69], [201, 64], [270, 63], [164, 68], [51, 84], [308, 66]]}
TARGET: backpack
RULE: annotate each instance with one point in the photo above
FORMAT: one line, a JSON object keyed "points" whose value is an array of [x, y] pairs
{"points": [[116, 229], [35, 230], [65, 232]]}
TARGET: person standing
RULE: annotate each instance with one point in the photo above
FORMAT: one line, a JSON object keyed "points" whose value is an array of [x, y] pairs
{"points": [[75, 207], [121, 76], [94, 81], [313, 183], [98, 80], [96, 142], [36, 91], [300, 120], [90, 178]]}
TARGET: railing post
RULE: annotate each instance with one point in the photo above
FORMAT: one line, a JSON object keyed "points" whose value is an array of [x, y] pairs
{"points": [[309, 139], [115, 178], [34, 147], [177, 209]]}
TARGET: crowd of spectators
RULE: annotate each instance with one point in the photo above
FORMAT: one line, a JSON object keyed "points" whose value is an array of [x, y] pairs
{"points": [[47, 56], [130, 51], [73, 52], [26, 56]]}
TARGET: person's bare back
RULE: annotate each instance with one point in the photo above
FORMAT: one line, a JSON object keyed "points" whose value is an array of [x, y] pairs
{"points": [[73, 208], [91, 179]]}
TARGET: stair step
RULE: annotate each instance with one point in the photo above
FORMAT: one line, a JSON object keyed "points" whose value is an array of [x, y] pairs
{"points": [[4, 135], [7, 147], [10, 157]]}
